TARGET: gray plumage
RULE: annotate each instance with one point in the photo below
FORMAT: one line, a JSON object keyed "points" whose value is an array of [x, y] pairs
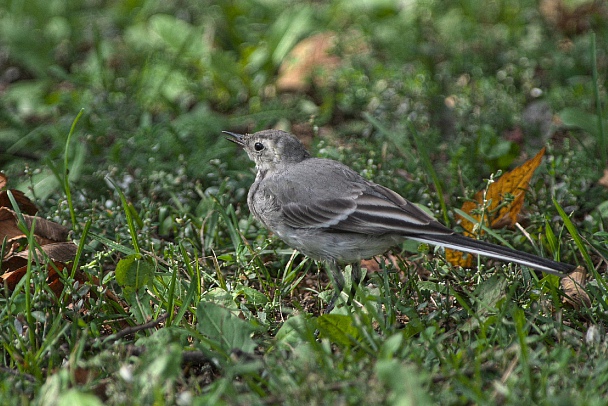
{"points": [[329, 212]]}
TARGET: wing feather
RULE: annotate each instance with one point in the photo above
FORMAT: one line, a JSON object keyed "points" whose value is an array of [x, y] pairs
{"points": [[341, 200]]}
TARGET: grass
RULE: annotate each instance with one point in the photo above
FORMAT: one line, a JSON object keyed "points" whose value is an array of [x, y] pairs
{"points": [[177, 296]]}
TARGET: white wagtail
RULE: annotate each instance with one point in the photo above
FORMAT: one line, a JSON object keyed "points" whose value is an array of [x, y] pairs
{"points": [[329, 212]]}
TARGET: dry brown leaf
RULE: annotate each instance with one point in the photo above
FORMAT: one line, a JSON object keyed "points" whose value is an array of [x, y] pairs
{"points": [[50, 236], [25, 204], [10, 279], [53, 280], [308, 55], [45, 229], [514, 183], [8, 225], [574, 288], [57, 252]]}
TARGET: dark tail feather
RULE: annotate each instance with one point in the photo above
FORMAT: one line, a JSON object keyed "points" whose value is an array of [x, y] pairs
{"points": [[462, 243]]}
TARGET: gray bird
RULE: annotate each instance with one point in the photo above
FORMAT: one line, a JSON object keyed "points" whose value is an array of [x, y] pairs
{"points": [[330, 213]]}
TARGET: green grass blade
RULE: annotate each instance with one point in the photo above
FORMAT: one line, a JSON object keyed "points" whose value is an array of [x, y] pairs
{"points": [[66, 171], [129, 215], [574, 233]]}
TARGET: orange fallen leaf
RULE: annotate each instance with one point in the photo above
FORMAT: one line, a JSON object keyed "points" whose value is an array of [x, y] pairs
{"points": [[513, 183], [459, 258]]}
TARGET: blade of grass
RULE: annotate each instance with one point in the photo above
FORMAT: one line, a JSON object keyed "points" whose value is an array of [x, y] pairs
{"points": [[574, 233], [27, 279], [115, 246], [66, 171], [81, 243], [171, 295], [580, 244], [129, 215], [193, 289]]}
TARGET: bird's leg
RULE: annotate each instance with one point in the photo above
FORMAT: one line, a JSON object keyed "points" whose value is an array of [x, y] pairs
{"points": [[337, 280]]}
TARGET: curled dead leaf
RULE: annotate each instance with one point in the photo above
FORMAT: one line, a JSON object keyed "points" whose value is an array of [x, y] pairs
{"points": [[47, 230], [56, 252], [574, 288], [23, 202], [53, 279]]}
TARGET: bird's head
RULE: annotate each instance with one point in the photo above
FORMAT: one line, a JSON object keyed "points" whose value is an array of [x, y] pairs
{"points": [[270, 149]]}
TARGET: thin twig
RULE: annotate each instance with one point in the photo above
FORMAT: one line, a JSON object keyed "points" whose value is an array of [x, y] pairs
{"points": [[135, 329]]}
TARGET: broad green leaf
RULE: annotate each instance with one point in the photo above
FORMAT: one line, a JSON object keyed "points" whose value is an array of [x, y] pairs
{"points": [[220, 297], [223, 328], [576, 118], [338, 328], [489, 292], [134, 272], [253, 296], [295, 331]]}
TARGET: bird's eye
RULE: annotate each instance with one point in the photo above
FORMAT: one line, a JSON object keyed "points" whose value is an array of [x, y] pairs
{"points": [[258, 146]]}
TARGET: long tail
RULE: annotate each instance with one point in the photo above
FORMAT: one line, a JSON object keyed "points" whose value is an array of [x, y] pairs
{"points": [[461, 243]]}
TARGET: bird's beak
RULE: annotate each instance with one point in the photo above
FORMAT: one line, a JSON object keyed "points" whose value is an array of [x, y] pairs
{"points": [[236, 138]]}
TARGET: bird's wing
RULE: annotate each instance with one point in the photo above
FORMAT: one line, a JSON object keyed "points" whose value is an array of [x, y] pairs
{"points": [[318, 193]]}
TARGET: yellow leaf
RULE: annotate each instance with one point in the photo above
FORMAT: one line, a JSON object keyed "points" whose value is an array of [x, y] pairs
{"points": [[514, 183]]}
